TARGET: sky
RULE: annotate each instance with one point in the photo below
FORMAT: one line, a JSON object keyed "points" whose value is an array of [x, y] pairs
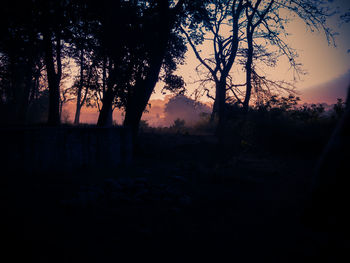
{"points": [[328, 68], [324, 62]]}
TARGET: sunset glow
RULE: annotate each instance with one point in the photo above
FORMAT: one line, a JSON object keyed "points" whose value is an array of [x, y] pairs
{"points": [[130, 128], [324, 63]]}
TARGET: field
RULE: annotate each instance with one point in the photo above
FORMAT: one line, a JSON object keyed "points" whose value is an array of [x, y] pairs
{"points": [[182, 191]]}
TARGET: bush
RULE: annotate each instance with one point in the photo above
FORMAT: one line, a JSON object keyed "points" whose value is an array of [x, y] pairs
{"points": [[178, 126], [144, 126], [281, 127], [205, 124]]}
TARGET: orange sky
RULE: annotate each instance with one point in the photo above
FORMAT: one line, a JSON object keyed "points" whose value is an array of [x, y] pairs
{"points": [[328, 69], [324, 63]]}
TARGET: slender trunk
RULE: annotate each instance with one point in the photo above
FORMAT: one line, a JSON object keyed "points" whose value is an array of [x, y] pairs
{"points": [[18, 84], [28, 83], [53, 81], [13, 91], [35, 87], [77, 115], [59, 73], [104, 74], [250, 33], [80, 88], [221, 107], [248, 72], [220, 85], [215, 107], [21, 68]]}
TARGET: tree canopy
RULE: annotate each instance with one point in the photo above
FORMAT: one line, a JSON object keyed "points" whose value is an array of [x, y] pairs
{"points": [[116, 52]]}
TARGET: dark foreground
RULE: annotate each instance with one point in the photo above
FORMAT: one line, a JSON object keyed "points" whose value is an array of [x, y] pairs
{"points": [[182, 197]]}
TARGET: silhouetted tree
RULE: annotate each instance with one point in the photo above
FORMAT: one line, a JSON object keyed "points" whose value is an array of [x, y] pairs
{"points": [[85, 49], [161, 22], [223, 17], [251, 12], [53, 23], [135, 60], [240, 28], [265, 22], [20, 53], [115, 17]]}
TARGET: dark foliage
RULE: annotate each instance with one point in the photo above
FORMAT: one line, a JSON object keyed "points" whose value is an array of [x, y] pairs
{"points": [[243, 192]]}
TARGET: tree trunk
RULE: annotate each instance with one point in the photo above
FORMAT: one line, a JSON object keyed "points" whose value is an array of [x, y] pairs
{"points": [[104, 74], [214, 112], [34, 93], [77, 114], [105, 118], [139, 99], [18, 86], [248, 72], [53, 81], [80, 88], [221, 106], [220, 85], [133, 114], [143, 89], [28, 83], [21, 86]]}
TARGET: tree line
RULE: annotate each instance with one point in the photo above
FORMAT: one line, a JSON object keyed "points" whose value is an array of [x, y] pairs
{"points": [[122, 48]]}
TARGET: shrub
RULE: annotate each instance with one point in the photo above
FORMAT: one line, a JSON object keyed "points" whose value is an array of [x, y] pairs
{"points": [[281, 127]]}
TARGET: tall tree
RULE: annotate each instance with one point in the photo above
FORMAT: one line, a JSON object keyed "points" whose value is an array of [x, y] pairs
{"points": [[251, 12], [265, 21], [118, 20], [161, 26], [53, 76], [135, 61], [20, 52], [54, 20], [223, 24], [239, 28], [84, 48]]}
